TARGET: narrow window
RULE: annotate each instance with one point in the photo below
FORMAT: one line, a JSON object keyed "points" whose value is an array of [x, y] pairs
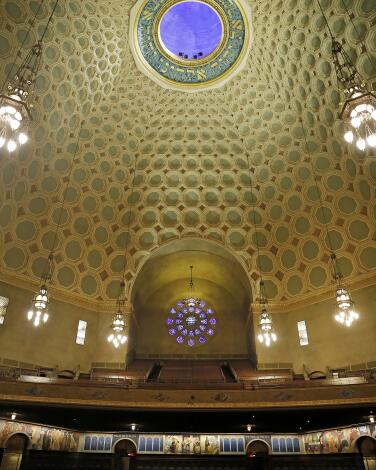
{"points": [[302, 331], [81, 332], [3, 309]]}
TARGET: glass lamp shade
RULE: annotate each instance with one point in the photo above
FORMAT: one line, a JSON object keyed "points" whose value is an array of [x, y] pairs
{"points": [[38, 312], [117, 336], [14, 121], [266, 334], [346, 314], [359, 115]]}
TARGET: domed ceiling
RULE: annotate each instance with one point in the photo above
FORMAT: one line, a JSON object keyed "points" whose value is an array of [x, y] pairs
{"points": [[191, 175]]}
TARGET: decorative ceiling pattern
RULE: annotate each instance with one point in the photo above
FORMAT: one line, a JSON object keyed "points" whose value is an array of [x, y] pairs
{"points": [[191, 169]]}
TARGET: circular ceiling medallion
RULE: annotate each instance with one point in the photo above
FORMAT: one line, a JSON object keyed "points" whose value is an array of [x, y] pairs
{"points": [[190, 45], [191, 322]]}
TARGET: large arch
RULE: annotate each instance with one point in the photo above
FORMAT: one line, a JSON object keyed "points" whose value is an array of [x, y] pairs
{"points": [[258, 447], [220, 278]]}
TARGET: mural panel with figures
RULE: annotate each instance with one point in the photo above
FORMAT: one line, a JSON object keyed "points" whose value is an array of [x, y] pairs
{"points": [[191, 444], [336, 441], [63, 440], [41, 437]]}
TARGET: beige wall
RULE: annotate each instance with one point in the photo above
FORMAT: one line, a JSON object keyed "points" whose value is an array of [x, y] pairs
{"points": [[330, 344], [54, 343], [231, 333]]}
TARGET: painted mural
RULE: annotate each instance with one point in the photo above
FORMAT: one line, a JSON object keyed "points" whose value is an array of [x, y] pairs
{"points": [[191, 444], [320, 442], [41, 437], [336, 440]]}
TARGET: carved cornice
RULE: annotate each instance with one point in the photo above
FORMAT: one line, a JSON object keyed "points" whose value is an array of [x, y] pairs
{"points": [[91, 395], [320, 295]]}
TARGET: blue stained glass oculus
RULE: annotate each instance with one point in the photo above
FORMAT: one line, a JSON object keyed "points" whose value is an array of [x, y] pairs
{"points": [[191, 322], [190, 30]]}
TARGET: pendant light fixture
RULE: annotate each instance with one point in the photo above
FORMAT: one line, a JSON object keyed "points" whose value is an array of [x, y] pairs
{"points": [[345, 314], [15, 105], [38, 313], [358, 110], [117, 336], [266, 333]]}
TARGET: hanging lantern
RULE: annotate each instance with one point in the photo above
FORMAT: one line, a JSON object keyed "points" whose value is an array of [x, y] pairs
{"points": [[117, 336], [38, 312], [359, 108], [15, 116], [346, 314], [266, 334]]}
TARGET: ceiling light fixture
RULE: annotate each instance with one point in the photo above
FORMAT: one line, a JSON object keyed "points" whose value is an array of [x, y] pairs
{"points": [[118, 336], [38, 313], [15, 106], [358, 110], [266, 333], [346, 313]]}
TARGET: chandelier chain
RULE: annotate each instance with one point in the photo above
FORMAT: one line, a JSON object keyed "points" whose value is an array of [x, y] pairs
{"points": [[26, 37], [47, 274], [253, 205], [372, 61], [121, 297], [326, 20]]}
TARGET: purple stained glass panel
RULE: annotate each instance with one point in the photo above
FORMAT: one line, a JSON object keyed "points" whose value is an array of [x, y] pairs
{"points": [[189, 324]]}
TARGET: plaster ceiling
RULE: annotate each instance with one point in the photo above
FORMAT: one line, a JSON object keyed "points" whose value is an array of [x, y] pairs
{"points": [[191, 171]]}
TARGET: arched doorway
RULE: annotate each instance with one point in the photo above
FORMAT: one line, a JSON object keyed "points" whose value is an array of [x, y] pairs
{"points": [[367, 447], [14, 450], [124, 450], [258, 448]]}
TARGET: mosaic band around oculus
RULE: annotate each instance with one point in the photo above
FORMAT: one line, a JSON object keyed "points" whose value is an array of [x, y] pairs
{"points": [[197, 62], [170, 72]]}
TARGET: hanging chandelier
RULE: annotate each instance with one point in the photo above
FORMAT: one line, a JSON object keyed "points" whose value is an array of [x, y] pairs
{"points": [[358, 110], [15, 116], [346, 313], [266, 334], [117, 336], [15, 106], [38, 313]]}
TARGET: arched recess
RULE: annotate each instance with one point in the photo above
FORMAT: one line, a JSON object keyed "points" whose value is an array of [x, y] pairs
{"points": [[366, 445], [17, 443], [15, 446], [258, 447], [125, 448], [220, 278]]}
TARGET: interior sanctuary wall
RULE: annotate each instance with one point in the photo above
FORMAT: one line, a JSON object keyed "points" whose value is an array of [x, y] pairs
{"points": [[230, 337], [330, 344], [54, 343]]}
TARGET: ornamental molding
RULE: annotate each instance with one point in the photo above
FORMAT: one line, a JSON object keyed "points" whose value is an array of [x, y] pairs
{"points": [[228, 59]]}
